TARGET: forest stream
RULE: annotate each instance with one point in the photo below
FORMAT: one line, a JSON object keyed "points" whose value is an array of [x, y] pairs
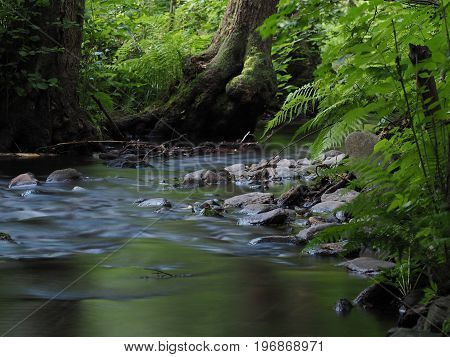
{"points": [[90, 263]]}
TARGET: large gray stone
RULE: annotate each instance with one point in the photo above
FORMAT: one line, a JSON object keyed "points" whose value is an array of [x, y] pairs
{"points": [[326, 207], [360, 144], [194, 178], [366, 265], [66, 175], [153, 202], [26, 179], [237, 170], [275, 217], [340, 195], [309, 233], [249, 198], [287, 163], [257, 208]]}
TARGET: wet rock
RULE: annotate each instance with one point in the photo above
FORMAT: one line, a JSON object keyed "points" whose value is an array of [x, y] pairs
{"points": [[284, 172], [343, 307], [331, 153], [333, 161], [237, 170], [327, 249], [314, 220], [273, 240], [66, 175], [78, 189], [326, 207], [153, 202], [210, 212], [409, 332], [304, 162], [307, 234], [209, 208], [378, 297], [29, 193], [26, 179], [438, 312], [360, 144], [277, 216], [286, 163], [292, 197], [5, 237], [301, 222], [258, 208], [249, 198], [411, 316], [366, 265], [208, 177], [268, 173], [194, 178], [341, 216], [340, 195]]}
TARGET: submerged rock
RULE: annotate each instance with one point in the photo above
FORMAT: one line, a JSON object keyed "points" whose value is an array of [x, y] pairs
{"points": [[340, 195], [360, 144], [343, 307], [327, 249], [379, 297], [6, 237], [273, 240], [153, 202], [366, 265], [275, 217], [26, 179], [66, 175], [79, 189], [209, 208], [249, 198], [308, 234], [326, 207]]}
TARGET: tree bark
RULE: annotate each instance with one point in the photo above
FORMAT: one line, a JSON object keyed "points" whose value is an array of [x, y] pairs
{"points": [[39, 102], [225, 89]]}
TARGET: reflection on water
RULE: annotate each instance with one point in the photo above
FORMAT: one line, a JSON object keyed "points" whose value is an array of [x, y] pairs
{"points": [[92, 264]]}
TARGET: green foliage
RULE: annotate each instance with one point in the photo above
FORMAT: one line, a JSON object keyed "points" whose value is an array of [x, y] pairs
{"points": [[133, 56], [366, 81], [18, 32], [298, 32], [430, 293]]}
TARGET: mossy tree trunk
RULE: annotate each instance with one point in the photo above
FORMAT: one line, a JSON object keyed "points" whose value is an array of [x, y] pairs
{"points": [[40, 62], [225, 89]]}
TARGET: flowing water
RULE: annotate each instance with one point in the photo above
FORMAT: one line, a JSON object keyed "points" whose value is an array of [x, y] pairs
{"points": [[90, 263]]}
